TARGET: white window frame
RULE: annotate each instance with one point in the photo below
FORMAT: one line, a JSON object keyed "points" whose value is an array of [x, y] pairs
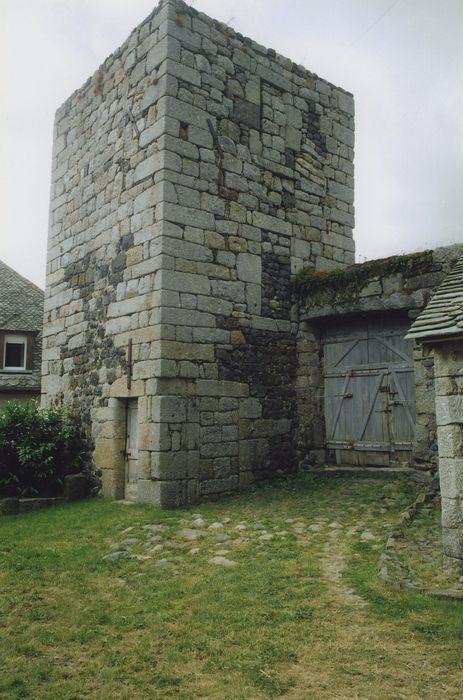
{"points": [[16, 339]]}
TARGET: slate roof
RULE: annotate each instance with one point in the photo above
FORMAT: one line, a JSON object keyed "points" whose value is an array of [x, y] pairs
{"points": [[443, 316], [21, 302]]}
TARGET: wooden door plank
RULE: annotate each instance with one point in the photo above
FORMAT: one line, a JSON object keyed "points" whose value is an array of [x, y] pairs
{"points": [[396, 351], [372, 404], [404, 401], [358, 357], [339, 406], [131, 478], [347, 350]]}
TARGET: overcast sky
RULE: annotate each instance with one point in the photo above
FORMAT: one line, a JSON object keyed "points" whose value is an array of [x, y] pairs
{"points": [[402, 59]]}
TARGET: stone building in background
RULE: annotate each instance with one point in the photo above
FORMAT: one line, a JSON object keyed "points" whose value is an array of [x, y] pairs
{"points": [[21, 314], [193, 175]]}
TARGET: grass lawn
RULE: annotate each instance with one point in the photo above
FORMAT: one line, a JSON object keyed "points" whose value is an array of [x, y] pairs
{"points": [[279, 598]]}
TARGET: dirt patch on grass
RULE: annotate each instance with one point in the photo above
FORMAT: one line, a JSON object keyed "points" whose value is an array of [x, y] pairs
{"points": [[333, 562]]}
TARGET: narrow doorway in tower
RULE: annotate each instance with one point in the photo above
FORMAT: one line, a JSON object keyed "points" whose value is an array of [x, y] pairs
{"points": [[131, 451]]}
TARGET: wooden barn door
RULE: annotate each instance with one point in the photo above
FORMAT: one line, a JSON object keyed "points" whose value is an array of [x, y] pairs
{"points": [[131, 451], [369, 392]]}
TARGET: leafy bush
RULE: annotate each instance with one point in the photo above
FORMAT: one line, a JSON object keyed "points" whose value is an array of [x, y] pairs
{"points": [[38, 448]]}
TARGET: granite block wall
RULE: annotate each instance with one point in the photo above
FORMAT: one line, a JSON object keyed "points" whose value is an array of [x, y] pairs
{"points": [[449, 413], [193, 174]]}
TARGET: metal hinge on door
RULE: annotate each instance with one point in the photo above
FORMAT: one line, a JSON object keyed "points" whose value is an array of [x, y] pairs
{"points": [[344, 396]]}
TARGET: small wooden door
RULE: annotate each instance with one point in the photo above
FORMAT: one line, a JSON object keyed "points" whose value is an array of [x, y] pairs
{"points": [[131, 451], [369, 392]]}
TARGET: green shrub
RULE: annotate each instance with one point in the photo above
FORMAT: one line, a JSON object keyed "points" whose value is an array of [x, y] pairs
{"points": [[38, 448]]}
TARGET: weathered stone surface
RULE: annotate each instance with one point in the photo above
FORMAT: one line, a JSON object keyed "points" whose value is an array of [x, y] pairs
{"points": [[451, 476], [146, 168], [449, 409], [247, 113], [113, 556], [450, 440], [215, 526], [248, 267], [179, 208], [170, 465], [223, 561], [452, 541], [190, 534], [449, 414], [452, 513]]}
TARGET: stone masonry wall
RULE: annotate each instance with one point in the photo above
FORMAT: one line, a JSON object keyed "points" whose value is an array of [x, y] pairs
{"points": [[192, 176], [103, 267], [385, 290], [449, 412]]}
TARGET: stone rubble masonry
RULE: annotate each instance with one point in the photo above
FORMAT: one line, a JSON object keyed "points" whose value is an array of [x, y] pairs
{"points": [[448, 357], [382, 294], [193, 174]]}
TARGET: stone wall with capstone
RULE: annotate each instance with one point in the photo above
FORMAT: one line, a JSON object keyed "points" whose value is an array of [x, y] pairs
{"points": [[382, 293], [193, 174]]}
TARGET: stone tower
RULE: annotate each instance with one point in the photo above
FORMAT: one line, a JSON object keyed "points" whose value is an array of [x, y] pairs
{"points": [[193, 174]]}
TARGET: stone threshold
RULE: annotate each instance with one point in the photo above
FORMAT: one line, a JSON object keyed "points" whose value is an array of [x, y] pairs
{"points": [[416, 475]]}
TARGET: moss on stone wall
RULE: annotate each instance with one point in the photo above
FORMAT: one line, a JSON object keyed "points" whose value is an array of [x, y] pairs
{"points": [[355, 277]]}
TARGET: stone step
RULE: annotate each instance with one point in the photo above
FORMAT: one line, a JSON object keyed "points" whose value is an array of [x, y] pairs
{"points": [[374, 472]]}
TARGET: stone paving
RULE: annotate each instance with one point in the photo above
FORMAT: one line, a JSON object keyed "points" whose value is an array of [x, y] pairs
{"points": [[331, 530], [171, 546], [175, 546]]}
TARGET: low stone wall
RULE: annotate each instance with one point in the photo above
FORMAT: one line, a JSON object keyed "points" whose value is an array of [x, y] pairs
{"points": [[402, 286], [13, 506], [75, 488]]}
